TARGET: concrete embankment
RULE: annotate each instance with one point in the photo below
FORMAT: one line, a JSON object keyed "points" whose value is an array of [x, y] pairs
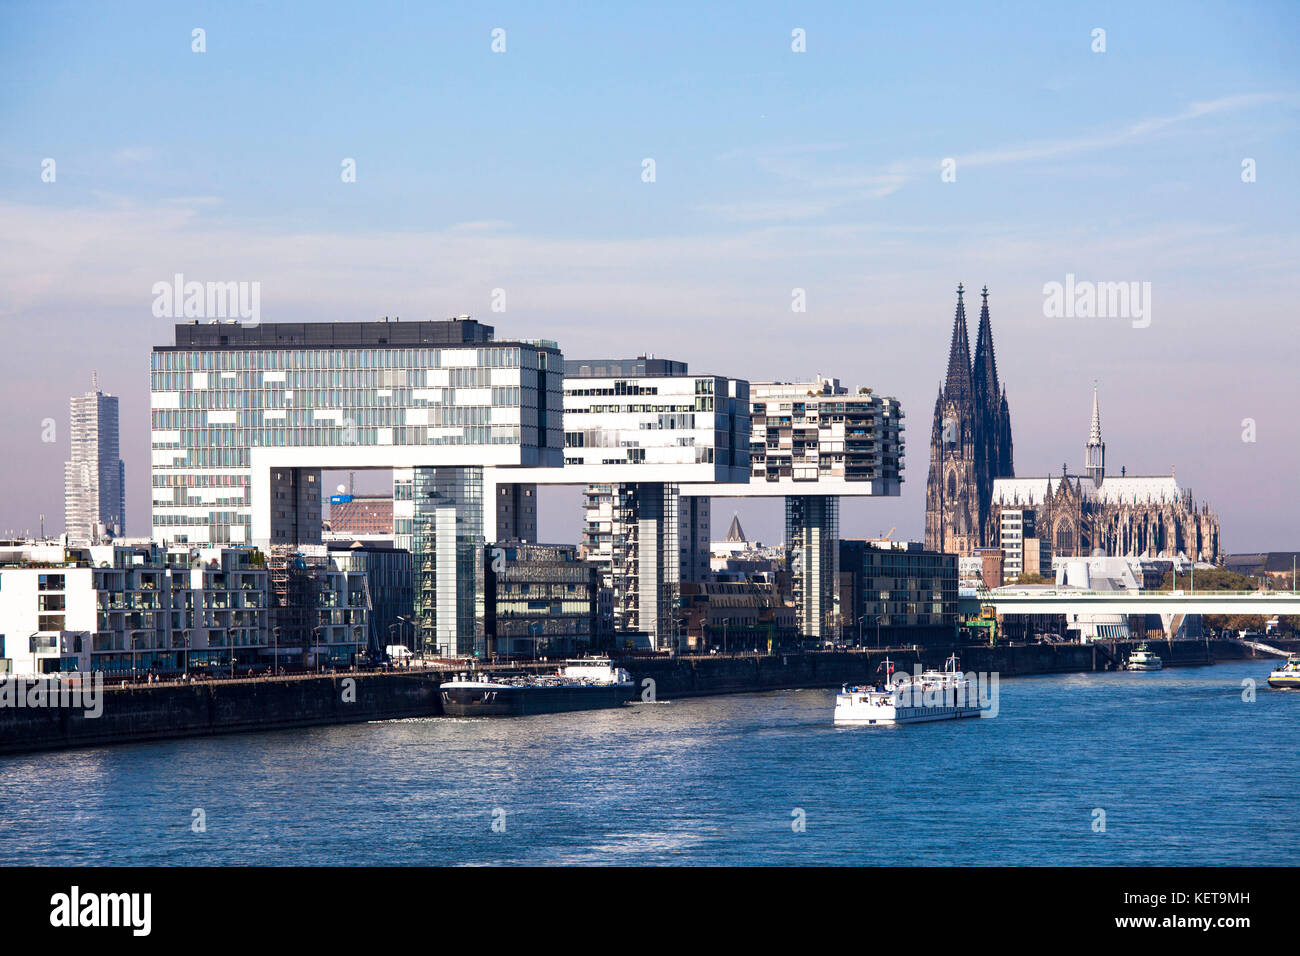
{"points": [[703, 676], [141, 712], [144, 712]]}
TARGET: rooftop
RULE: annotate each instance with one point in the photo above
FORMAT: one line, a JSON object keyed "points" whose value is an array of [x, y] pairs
{"points": [[232, 335]]}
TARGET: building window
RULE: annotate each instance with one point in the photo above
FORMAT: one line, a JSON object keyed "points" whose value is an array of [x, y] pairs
{"points": [[1064, 539]]}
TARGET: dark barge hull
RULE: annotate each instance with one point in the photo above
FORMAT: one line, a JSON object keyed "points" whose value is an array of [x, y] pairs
{"points": [[508, 701]]}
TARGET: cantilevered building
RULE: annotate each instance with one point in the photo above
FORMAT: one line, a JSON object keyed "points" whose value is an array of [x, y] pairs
{"points": [[811, 443], [94, 480], [245, 419], [636, 433]]}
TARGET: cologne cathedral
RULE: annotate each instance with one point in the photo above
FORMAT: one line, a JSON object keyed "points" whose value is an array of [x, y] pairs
{"points": [[972, 478], [970, 443], [1123, 515]]}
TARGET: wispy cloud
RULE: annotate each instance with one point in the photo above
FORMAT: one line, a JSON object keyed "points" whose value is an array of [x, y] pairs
{"points": [[810, 187]]}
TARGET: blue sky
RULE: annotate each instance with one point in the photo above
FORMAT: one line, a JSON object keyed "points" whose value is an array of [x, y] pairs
{"points": [[775, 170]]}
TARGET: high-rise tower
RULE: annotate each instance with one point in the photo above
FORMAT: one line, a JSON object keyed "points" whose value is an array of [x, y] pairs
{"points": [[94, 480]]}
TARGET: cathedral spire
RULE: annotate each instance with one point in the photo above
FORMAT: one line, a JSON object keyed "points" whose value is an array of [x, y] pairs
{"points": [[985, 369], [1094, 435], [958, 383], [1095, 452]]}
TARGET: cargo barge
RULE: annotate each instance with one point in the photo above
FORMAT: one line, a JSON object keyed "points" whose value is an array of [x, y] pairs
{"points": [[588, 684]]}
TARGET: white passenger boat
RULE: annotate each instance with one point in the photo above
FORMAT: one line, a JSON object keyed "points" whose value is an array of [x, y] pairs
{"points": [[1143, 660], [933, 695], [1286, 675]]}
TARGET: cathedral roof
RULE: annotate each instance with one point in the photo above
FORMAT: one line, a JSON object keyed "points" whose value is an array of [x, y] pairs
{"points": [[1114, 489], [735, 534]]}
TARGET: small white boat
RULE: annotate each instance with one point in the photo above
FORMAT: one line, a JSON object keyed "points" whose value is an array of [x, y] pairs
{"points": [[932, 695], [1286, 675], [1143, 660]]}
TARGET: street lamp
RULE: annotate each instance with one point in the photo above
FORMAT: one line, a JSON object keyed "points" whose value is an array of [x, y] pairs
{"points": [[315, 633], [725, 622]]}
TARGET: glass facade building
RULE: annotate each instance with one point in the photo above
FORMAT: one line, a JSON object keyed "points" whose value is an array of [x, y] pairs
{"points": [[244, 419]]}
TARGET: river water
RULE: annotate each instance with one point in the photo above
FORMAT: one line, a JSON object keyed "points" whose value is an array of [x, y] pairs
{"points": [[1184, 770]]}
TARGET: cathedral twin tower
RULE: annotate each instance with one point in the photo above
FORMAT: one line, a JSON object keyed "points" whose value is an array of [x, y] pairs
{"points": [[970, 442]]}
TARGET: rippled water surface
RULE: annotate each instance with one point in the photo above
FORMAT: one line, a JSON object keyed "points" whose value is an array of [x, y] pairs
{"points": [[1185, 770]]}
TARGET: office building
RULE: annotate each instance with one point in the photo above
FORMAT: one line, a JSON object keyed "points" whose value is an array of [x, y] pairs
{"points": [[897, 592], [94, 479], [540, 600], [245, 418]]}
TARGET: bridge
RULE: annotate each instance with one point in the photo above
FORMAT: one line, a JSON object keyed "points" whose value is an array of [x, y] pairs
{"points": [[1061, 600]]}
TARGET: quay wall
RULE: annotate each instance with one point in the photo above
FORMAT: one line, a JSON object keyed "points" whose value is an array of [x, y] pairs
{"points": [[140, 712], [152, 712], [703, 676]]}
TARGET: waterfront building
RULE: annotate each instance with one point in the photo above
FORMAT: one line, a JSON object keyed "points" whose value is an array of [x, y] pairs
{"points": [[813, 442], [94, 479], [131, 608], [320, 611], [1121, 515], [637, 433], [540, 600], [897, 591], [741, 615], [245, 418], [970, 441], [389, 583]]}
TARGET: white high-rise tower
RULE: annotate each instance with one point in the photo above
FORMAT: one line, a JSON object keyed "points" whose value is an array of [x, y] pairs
{"points": [[94, 480]]}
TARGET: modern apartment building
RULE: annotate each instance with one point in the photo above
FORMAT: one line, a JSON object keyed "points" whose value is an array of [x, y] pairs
{"points": [[126, 609], [636, 433], [389, 583], [813, 442], [94, 479], [245, 418]]}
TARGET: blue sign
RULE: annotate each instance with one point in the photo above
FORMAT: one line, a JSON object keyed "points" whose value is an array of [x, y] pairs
{"points": [[340, 499]]}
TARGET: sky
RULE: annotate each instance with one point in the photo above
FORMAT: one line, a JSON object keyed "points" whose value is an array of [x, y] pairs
{"points": [[904, 149]]}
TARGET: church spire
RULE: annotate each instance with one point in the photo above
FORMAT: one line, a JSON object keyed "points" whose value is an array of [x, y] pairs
{"points": [[985, 369], [1094, 434], [1095, 452], [958, 383]]}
